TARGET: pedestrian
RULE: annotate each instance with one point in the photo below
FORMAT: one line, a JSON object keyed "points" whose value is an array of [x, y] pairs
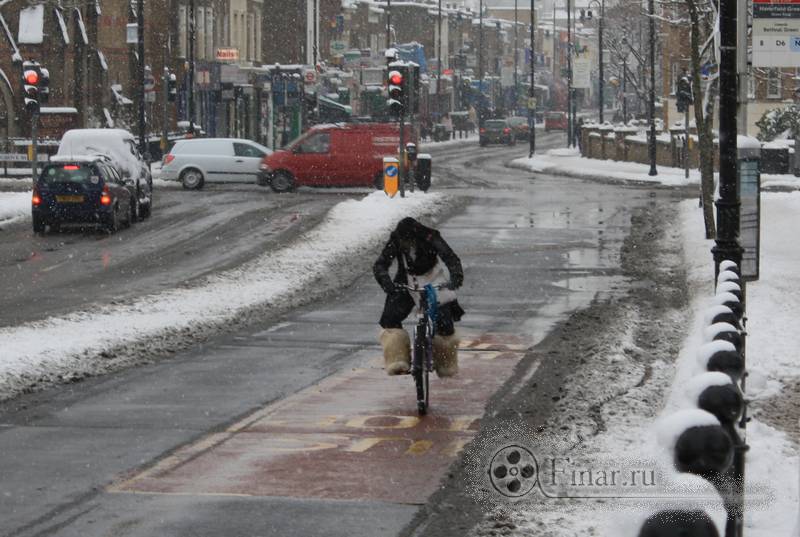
{"points": [[447, 121], [416, 250]]}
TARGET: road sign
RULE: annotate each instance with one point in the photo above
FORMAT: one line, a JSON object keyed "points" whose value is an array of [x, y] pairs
{"points": [[581, 73], [391, 176], [776, 33], [532, 102]]}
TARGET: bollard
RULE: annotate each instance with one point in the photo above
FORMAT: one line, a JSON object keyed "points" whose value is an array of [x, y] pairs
{"points": [[729, 299], [721, 314], [724, 332], [677, 522], [726, 276], [721, 356], [732, 287]]}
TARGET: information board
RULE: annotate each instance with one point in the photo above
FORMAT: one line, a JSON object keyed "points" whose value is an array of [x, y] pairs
{"points": [[776, 33], [750, 217]]}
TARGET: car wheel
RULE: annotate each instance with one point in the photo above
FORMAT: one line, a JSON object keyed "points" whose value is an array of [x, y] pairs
{"points": [[38, 224], [282, 181], [192, 179], [378, 181], [112, 221], [136, 209]]}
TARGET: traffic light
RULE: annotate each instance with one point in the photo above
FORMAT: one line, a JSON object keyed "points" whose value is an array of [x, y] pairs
{"points": [[31, 80], [397, 86], [172, 87], [684, 94]]}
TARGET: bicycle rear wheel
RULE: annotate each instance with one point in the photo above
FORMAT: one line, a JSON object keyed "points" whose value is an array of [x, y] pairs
{"points": [[421, 371]]}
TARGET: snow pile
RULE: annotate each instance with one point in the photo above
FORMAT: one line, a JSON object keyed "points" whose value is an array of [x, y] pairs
{"points": [[351, 228], [14, 206], [569, 162]]}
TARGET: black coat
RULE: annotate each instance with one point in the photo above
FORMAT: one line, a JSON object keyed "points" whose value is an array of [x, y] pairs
{"points": [[429, 246]]}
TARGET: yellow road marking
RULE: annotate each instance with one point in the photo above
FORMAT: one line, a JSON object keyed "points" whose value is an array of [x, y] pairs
{"points": [[419, 447]]}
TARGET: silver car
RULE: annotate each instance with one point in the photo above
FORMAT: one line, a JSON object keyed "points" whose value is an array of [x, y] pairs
{"points": [[199, 160]]}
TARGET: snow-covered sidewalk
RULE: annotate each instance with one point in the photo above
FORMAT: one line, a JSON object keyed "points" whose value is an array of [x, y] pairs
{"points": [[773, 461], [569, 162], [14, 206], [70, 345]]}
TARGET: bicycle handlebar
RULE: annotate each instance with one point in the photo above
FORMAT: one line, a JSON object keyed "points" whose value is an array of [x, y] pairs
{"points": [[418, 289]]}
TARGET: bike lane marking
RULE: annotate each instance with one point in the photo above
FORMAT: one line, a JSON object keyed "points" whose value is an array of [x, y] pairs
{"points": [[355, 435]]}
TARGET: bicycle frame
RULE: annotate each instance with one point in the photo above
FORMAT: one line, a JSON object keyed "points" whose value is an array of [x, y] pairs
{"points": [[422, 351]]}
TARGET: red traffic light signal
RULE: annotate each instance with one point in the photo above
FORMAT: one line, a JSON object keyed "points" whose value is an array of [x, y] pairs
{"points": [[31, 77], [396, 78]]}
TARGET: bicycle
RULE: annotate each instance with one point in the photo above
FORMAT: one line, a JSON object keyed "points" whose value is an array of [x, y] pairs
{"points": [[422, 349]]}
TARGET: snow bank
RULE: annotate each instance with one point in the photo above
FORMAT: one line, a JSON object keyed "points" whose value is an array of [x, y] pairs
{"points": [[14, 206], [350, 228], [569, 162]]}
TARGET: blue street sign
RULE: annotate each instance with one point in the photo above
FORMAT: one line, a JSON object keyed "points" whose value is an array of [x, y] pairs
{"points": [[391, 171]]}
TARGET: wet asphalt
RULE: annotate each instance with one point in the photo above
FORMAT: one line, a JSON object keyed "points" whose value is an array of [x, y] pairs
{"points": [[107, 456]]}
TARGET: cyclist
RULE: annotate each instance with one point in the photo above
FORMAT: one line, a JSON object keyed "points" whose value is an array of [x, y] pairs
{"points": [[417, 249]]}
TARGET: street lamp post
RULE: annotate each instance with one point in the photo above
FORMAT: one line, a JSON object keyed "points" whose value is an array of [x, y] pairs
{"points": [[532, 109], [140, 52], [569, 74], [652, 107], [601, 86], [388, 23], [439, 62], [191, 66], [625, 88], [516, 55], [480, 65]]}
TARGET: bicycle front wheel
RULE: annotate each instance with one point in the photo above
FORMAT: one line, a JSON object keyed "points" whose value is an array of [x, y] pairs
{"points": [[421, 371]]}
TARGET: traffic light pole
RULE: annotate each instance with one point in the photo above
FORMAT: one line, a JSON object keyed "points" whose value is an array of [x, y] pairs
{"points": [[686, 143], [34, 145], [164, 117], [401, 166], [143, 145]]}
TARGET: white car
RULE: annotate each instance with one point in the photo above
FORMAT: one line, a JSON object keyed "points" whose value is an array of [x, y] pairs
{"points": [[196, 161]]}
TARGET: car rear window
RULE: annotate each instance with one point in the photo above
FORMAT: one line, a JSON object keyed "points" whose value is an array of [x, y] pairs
{"points": [[70, 173], [496, 124]]}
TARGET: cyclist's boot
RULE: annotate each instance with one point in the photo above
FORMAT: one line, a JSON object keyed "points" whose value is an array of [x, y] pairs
{"points": [[445, 355], [396, 351]]}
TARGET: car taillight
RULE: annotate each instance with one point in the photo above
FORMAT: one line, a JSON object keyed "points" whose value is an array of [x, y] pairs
{"points": [[168, 158], [105, 197], [506, 130], [36, 199], [483, 130]]}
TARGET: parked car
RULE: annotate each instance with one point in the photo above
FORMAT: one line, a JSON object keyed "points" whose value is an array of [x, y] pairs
{"points": [[120, 147], [347, 154], [496, 131], [81, 189], [196, 161], [555, 121], [519, 126]]}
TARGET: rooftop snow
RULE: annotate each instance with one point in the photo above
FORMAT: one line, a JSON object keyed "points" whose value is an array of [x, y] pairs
{"points": [[62, 25], [31, 25]]}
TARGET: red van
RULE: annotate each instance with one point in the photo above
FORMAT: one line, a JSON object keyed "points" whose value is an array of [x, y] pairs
{"points": [[345, 154]]}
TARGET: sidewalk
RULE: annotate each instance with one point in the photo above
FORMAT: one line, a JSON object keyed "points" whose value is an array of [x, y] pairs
{"points": [[772, 385], [569, 162]]}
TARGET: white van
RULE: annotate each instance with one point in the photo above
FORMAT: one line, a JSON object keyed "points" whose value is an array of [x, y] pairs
{"points": [[195, 161]]}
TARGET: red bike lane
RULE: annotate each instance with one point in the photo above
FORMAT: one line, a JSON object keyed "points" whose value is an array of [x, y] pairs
{"points": [[354, 436]]}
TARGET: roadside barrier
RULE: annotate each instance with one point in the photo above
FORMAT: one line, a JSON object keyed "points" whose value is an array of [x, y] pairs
{"points": [[707, 439]]}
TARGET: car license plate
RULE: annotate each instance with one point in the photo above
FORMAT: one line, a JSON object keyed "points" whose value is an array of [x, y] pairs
{"points": [[69, 199]]}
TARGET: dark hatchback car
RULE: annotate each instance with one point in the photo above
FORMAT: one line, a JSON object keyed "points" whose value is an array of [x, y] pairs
{"points": [[82, 190], [497, 131]]}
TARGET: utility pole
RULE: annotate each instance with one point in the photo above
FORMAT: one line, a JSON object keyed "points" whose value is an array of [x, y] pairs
{"points": [[516, 55], [652, 107], [742, 67], [191, 65], [728, 204], [143, 145], [439, 63], [569, 74], [316, 29], [388, 23], [532, 94], [480, 65]]}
